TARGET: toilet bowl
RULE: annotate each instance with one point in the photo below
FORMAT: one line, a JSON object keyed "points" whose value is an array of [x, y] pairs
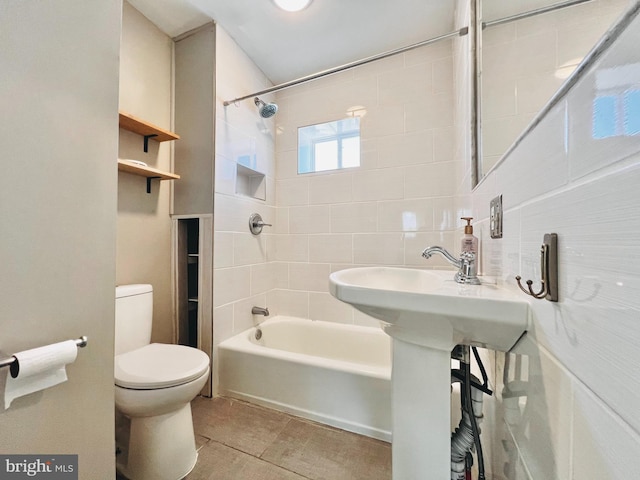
{"points": [[154, 385]]}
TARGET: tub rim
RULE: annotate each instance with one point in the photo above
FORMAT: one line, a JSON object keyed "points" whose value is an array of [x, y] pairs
{"points": [[241, 342]]}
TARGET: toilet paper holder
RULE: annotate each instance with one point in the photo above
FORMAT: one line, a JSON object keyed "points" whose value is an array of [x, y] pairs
{"points": [[80, 342]]}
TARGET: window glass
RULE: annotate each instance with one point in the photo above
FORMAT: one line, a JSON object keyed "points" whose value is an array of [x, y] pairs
{"points": [[329, 146]]}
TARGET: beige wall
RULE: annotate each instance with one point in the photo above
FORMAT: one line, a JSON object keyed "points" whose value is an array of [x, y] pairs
{"points": [[59, 97], [195, 119], [144, 225]]}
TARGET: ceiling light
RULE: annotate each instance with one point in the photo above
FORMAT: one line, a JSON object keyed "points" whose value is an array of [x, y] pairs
{"points": [[292, 5]]}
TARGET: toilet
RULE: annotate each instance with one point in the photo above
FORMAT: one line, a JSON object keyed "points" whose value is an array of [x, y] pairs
{"points": [[154, 386]]}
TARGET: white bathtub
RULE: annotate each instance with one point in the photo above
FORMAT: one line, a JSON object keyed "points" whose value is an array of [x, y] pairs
{"points": [[332, 373]]}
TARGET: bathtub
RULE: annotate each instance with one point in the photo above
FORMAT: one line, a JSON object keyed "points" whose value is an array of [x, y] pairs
{"points": [[332, 373]]}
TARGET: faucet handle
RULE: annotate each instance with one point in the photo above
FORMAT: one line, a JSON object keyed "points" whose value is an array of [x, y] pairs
{"points": [[468, 272], [256, 224], [468, 256]]}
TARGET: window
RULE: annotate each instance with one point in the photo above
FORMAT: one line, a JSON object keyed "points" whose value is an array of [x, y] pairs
{"points": [[615, 115], [616, 107], [329, 146]]}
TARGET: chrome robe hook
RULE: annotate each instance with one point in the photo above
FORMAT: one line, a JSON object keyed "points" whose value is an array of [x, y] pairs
{"points": [[548, 270]]}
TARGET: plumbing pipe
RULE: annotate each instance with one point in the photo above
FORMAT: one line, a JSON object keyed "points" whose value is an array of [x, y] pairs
{"points": [[462, 438]]}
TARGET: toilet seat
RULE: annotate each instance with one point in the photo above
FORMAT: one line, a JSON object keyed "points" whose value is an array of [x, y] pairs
{"points": [[158, 365]]}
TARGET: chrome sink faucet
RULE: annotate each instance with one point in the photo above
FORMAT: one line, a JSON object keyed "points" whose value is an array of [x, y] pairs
{"points": [[467, 268]]}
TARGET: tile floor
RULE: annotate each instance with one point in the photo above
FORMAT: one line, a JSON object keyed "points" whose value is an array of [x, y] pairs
{"points": [[239, 441]]}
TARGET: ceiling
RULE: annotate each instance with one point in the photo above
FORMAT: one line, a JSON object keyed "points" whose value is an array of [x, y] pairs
{"points": [[327, 34]]}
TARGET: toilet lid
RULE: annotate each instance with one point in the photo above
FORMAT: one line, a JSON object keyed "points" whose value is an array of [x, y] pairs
{"points": [[159, 365]]}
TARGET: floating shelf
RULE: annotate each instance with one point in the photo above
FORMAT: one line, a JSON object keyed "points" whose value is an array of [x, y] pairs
{"points": [[146, 129], [149, 173]]}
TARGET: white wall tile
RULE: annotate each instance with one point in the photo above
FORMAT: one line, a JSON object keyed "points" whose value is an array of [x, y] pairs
{"points": [[231, 284], [266, 276], [406, 215], [223, 249], [293, 191], [434, 112], [354, 217], [332, 248], [289, 248], [310, 219], [430, 180], [406, 149], [381, 121], [379, 184], [330, 188], [543, 432], [313, 277], [293, 303], [249, 249], [405, 85], [222, 323], [604, 447], [324, 306], [378, 248]]}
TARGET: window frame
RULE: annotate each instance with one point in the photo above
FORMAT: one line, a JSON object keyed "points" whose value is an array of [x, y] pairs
{"points": [[339, 137]]}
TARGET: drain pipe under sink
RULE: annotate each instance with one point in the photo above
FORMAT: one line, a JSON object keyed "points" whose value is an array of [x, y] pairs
{"points": [[462, 439]]}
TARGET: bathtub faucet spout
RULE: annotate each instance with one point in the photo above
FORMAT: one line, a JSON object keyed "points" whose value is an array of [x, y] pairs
{"points": [[260, 311]]}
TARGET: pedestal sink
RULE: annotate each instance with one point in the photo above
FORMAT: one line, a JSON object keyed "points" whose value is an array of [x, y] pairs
{"points": [[427, 314]]}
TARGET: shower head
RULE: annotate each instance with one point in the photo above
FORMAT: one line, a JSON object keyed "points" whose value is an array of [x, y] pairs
{"points": [[266, 110]]}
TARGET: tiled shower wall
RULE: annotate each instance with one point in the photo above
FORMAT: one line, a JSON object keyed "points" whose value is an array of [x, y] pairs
{"points": [[567, 398], [386, 212], [242, 276]]}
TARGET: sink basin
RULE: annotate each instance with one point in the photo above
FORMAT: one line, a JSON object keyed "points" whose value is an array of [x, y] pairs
{"points": [[427, 313], [428, 308]]}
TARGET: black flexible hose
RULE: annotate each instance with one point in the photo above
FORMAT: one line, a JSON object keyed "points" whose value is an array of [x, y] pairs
{"points": [[474, 423], [485, 378]]}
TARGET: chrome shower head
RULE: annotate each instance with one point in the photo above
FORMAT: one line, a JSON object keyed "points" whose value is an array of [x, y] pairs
{"points": [[266, 110]]}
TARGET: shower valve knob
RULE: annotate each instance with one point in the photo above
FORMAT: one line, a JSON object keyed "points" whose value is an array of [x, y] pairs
{"points": [[256, 224]]}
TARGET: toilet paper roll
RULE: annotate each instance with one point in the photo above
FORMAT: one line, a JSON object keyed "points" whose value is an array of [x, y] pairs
{"points": [[38, 369]]}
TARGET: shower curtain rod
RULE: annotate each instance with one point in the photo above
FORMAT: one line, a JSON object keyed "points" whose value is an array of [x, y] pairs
{"points": [[532, 13], [461, 32], [457, 33]]}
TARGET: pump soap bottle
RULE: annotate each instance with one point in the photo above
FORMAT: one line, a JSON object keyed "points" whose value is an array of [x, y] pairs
{"points": [[469, 242]]}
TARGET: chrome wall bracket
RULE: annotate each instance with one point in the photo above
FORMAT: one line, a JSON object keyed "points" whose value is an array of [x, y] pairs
{"points": [[548, 270]]}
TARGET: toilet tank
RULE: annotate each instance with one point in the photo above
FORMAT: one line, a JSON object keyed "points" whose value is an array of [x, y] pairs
{"points": [[134, 313]]}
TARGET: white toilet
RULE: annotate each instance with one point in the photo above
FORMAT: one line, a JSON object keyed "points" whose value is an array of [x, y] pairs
{"points": [[154, 385]]}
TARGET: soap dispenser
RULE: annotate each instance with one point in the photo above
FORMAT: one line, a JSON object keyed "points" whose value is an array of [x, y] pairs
{"points": [[469, 242]]}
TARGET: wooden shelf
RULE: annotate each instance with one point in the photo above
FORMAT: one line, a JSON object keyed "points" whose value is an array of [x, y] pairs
{"points": [[146, 129], [149, 173]]}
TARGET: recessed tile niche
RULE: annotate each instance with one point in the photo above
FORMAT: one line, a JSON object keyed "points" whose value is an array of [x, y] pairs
{"points": [[250, 183]]}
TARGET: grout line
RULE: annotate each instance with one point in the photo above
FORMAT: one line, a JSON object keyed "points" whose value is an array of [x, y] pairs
{"points": [[259, 458]]}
